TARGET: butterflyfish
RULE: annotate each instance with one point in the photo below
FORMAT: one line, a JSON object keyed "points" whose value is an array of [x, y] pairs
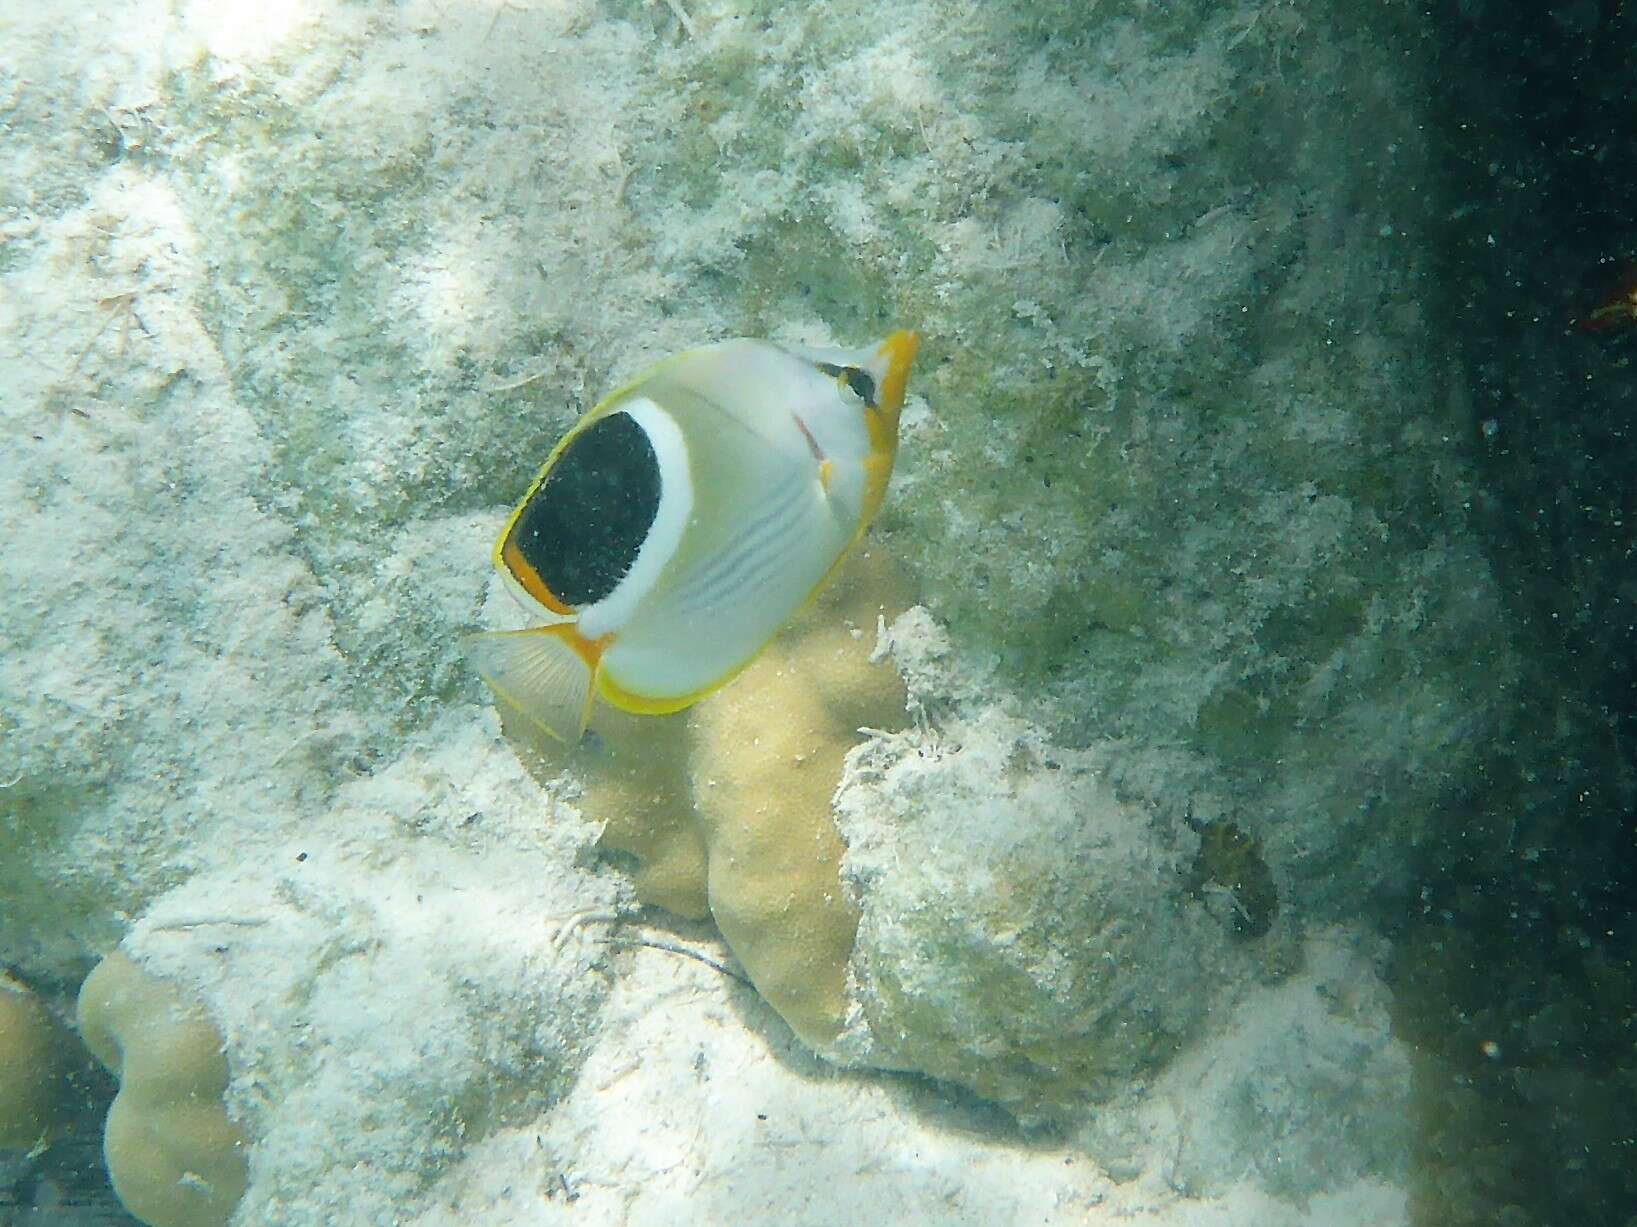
{"points": [[681, 521]]}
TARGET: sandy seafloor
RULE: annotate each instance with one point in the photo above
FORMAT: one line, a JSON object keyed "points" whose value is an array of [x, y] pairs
{"points": [[295, 297]]}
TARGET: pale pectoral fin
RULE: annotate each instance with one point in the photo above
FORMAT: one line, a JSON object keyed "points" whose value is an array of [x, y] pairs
{"points": [[538, 674]]}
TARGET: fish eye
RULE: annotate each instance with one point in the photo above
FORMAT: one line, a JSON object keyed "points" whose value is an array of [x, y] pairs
{"points": [[861, 383], [858, 382]]}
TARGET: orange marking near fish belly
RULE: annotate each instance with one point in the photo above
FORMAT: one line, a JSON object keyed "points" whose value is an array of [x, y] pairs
{"points": [[530, 579], [589, 650]]}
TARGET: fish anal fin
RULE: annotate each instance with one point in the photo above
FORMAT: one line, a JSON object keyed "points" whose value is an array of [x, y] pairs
{"points": [[543, 675]]}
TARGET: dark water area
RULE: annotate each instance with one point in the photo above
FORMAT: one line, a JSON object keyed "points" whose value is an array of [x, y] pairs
{"points": [[1516, 982]]}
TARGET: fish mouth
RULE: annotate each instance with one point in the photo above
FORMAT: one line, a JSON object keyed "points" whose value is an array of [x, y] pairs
{"points": [[897, 354]]}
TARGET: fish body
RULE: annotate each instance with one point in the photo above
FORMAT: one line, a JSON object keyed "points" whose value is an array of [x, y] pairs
{"points": [[681, 522]]}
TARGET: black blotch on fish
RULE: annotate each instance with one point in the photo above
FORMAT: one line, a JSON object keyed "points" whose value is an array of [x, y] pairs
{"points": [[583, 527]]}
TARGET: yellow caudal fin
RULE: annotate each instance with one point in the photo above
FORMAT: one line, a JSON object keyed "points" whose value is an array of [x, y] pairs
{"points": [[538, 674]]}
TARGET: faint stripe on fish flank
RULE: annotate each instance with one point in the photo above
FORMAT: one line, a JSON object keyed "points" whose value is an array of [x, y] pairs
{"points": [[758, 541], [749, 562], [776, 510], [756, 579]]}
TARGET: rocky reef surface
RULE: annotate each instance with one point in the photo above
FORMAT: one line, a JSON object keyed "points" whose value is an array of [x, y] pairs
{"points": [[1183, 641]]}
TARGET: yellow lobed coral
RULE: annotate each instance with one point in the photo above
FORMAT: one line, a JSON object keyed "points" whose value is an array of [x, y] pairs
{"points": [[767, 761], [33, 1064], [174, 1157], [726, 808]]}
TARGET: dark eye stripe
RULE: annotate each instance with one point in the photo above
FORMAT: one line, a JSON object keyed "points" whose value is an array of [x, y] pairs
{"points": [[860, 381]]}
